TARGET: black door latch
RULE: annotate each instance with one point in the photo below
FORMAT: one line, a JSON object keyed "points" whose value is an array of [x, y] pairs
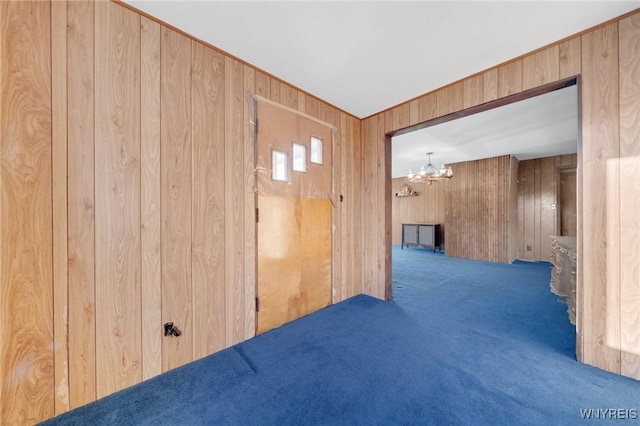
{"points": [[171, 330]]}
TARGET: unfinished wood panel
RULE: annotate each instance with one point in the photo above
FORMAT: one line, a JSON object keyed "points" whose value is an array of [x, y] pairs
{"points": [[26, 293], [473, 91], [540, 68], [233, 202], [629, 69], [151, 271], [490, 85], [117, 198], [344, 203], [207, 228], [302, 102], [175, 209], [428, 107], [570, 57], [426, 207], [401, 116], [81, 204], [450, 99], [600, 135], [510, 78], [250, 205], [59, 188]]}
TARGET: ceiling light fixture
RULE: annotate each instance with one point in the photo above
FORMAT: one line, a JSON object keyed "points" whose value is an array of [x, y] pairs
{"points": [[429, 174]]}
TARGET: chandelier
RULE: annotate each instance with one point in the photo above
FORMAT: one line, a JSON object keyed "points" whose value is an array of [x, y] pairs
{"points": [[429, 174]]}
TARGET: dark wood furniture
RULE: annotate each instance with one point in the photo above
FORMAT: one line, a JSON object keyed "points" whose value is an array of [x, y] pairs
{"points": [[563, 257], [425, 235]]}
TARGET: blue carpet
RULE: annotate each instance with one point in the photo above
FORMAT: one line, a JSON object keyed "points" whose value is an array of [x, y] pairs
{"points": [[463, 342]]}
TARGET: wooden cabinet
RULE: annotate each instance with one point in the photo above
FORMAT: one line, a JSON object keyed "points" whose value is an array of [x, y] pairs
{"points": [[563, 257], [421, 235]]}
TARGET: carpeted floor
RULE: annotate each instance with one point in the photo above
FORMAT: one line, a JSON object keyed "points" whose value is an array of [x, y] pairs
{"points": [[463, 342]]}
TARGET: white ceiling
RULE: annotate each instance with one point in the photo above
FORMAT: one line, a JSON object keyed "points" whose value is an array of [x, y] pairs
{"points": [[366, 56], [537, 127]]}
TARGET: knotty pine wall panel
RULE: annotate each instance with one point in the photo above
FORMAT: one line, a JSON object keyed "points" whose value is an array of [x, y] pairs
{"points": [[26, 293], [594, 56]]}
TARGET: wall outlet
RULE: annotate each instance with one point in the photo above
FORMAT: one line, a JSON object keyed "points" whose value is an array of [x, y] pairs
{"points": [[528, 248]]}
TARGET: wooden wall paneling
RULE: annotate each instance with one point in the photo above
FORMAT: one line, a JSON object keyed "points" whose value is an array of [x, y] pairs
{"points": [[337, 290], [302, 101], [549, 197], [175, 208], [311, 106], [349, 206], [341, 195], [249, 202], [358, 203], [510, 78], [325, 112], [81, 203], [569, 52], [449, 99], [490, 85], [26, 293], [383, 286], [288, 96], [514, 204], [541, 67], [473, 91], [262, 84], [529, 210], [117, 198], [59, 188], [629, 68], [474, 206], [414, 112], [568, 160], [370, 203], [401, 116], [537, 208], [207, 188], [600, 136], [275, 90], [151, 273], [234, 199], [428, 107]]}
